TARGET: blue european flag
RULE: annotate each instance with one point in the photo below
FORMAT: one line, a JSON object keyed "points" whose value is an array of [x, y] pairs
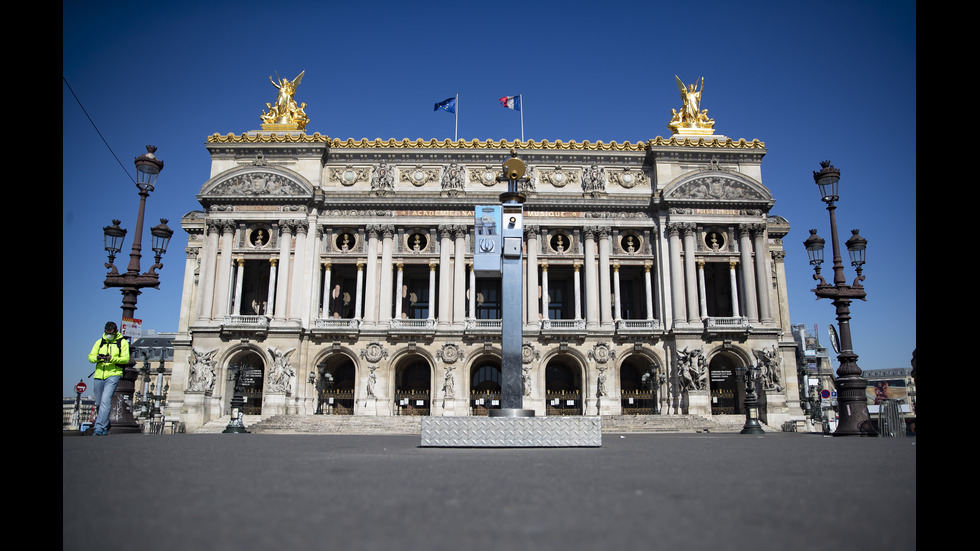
{"points": [[449, 105]]}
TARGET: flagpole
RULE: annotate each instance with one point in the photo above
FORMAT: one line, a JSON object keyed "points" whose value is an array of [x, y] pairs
{"points": [[522, 115], [456, 129]]}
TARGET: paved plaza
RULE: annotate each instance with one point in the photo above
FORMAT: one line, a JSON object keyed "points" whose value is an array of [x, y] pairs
{"points": [[638, 491]]}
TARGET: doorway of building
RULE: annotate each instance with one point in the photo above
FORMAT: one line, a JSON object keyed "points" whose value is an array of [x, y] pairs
{"points": [[485, 387], [335, 386], [563, 389], [728, 387], [726, 396], [638, 387], [252, 368], [413, 388]]}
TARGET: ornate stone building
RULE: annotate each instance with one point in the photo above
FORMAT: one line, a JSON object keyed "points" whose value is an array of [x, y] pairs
{"points": [[338, 275]]}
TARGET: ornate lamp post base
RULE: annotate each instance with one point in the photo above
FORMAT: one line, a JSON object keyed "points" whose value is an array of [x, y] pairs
{"points": [[852, 399]]}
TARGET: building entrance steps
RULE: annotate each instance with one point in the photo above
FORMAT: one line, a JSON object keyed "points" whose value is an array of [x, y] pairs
{"points": [[363, 424]]}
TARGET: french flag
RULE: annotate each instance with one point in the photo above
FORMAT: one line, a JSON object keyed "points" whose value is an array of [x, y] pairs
{"points": [[511, 102]]}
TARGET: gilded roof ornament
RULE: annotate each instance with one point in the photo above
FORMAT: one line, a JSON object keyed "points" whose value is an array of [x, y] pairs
{"points": [[691, 120], [285, 114]]}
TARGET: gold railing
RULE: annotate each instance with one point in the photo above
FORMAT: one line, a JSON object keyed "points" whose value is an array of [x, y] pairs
{"points": [[563, 402], [412, 402], [482, 402], [336, 402], [639, 402]]}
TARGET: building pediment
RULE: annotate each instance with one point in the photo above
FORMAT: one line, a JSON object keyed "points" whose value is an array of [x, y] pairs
{"points": [[256, 184], [717, 187]]}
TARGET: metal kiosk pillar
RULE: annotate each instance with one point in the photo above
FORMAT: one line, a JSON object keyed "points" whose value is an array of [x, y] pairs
{"points": [[498, 252]]}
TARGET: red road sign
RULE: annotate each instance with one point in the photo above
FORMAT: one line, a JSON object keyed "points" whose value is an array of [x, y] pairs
{"points": [[80, 387]]}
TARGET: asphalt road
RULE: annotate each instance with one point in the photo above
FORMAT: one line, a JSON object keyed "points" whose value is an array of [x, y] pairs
{"points": [[682, 492]]}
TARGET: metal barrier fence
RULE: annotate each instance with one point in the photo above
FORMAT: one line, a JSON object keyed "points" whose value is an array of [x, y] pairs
{"points": [[890, 423]]}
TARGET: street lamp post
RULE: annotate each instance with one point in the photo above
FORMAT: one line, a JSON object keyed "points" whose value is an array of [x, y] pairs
{"points": [[148, 167], [750, 376], [853, 418], [236, 425]]}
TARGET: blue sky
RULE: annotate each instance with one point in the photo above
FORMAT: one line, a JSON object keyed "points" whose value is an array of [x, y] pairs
{"points": [[813, 80]]}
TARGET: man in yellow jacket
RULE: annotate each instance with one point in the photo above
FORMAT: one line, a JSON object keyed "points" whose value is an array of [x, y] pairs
{"points": [[109, 354]]}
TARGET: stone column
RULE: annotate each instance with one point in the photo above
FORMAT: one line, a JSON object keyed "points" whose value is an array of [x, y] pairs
{"points": [[325, 293], [605, 289], [533, 310], [187, 296], [690, 273], [459, 276], [236, 308], [762, 273], [432, 290], [578, 291], [676, 274], [778, 258], [270, 297], [399, 283], [734, 282], [649, 289], [591, 286], [702, 295], [282, 286], [359, 293], [472, 301], [545, 299], [748, 276], [209, 260], [445, 275], [385, 287], [616, 291], [223, 280], [371, 278], [299, 273]]}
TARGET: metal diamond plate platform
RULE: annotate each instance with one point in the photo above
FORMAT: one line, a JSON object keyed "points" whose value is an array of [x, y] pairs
{"points": [[511, 432]]}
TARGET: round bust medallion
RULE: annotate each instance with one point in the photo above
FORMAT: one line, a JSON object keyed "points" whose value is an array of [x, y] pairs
{"points": [[349, 177], [489, 177]]}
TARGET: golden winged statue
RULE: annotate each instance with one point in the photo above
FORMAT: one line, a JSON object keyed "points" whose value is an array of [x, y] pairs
{"points": [[691, 119], [285, 114]]}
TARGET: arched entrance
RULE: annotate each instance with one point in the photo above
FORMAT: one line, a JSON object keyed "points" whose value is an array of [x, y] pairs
{"points": [[413, 387], [728, 387], [563, 388], [485, 387], [638, 385], [336, 376], [251, 365]]}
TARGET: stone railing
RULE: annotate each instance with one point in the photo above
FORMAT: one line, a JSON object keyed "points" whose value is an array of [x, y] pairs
{"points": [[726, 324], [562, 326], [412, 326], [483, 326], [637, 326]]}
